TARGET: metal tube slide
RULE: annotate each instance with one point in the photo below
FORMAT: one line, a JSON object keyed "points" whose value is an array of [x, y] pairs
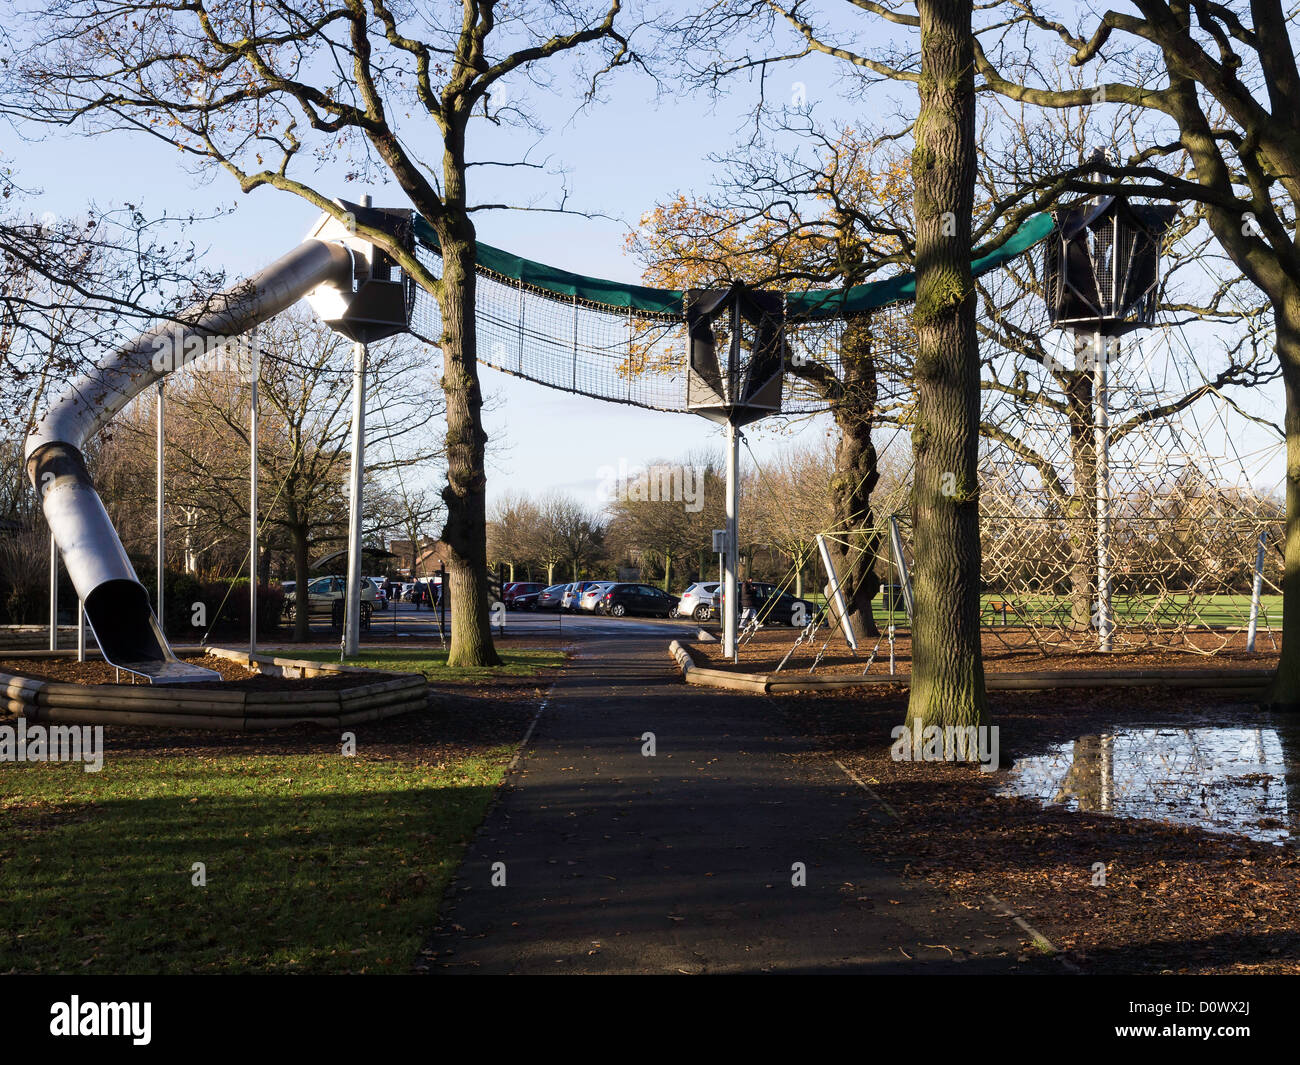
{"points": [[117, 605]]}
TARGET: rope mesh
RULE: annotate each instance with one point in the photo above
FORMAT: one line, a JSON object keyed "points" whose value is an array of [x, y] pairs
{"points": [[637, 357], [1186, 512]]}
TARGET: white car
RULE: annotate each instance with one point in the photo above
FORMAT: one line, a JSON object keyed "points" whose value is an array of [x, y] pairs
{"points": [[592, 595], [699, 601]]}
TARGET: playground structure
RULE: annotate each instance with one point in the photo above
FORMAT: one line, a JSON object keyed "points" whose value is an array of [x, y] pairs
{"points": [[725, 354], [354, 286]]}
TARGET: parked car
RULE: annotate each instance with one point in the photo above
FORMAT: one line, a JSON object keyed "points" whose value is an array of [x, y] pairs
{"points": [[775, 607], [574, 592], [591, 595], [325, 597], [620, 599], [521, 595], [551, 598], [699, 601], [381, 594]]}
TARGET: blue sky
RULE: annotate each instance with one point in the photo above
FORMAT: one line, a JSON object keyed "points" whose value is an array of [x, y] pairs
{"points": [[621, 158]]}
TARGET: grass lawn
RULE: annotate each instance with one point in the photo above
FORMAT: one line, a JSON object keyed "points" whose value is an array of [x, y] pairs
{"points": [[315, 862], [1231, 609], [432, 662]]}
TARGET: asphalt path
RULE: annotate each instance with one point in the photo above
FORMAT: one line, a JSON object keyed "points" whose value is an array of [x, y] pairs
{"points": [[689, 861]]}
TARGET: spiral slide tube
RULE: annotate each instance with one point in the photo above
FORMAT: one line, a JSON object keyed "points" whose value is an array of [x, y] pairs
{"points": [[117, 605]]}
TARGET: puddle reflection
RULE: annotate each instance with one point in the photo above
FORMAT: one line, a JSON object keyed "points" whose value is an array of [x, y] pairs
{"points": [[1221, 779]]}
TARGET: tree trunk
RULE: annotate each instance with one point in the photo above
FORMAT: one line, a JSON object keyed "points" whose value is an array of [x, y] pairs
{"points": [[301, 575], [668, 568], [1284, 694], [854, 543], [465, 532], [947, 671]]}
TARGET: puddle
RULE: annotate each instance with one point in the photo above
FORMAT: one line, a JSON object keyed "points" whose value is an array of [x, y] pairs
{"points": [[1221, 779]]}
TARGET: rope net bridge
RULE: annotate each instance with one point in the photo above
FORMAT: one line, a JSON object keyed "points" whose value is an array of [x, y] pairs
{"points": [[1191, 532], [628, 343]]}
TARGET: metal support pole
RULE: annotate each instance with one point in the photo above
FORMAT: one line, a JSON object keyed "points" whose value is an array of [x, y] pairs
{"points": [[1255, 589], [54, 594], [1101, 424], [442, 603], [254, 373], [81, 630], [158, 465], [352, 594], [730, 605]]}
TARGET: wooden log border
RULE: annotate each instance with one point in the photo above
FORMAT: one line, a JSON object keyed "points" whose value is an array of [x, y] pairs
{"points": [[374, 696], [1249, 682]]}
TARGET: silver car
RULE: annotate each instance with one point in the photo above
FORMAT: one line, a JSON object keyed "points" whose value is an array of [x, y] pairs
{"points": [[591, 597], [699, 601]]}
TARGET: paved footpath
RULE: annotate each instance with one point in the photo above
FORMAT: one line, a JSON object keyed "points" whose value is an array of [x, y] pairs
{"points": [[682, 863]]}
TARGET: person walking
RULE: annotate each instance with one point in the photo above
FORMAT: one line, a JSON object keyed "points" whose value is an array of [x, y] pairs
{"points": [[748, 603]]}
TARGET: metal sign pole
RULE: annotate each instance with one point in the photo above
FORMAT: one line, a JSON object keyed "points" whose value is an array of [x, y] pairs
{"points": [[442, 603], [730, 612], [352, 594], [1255, 589], [54, 593], [254, 373], [158, 600], [1101, 421]]}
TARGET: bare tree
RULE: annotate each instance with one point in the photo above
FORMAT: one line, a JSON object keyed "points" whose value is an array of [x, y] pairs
{"points": [[514, 532], [265, 92], [304, 444]]}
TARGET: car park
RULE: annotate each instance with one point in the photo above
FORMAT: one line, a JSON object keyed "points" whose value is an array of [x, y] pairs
{"points": [[325, 598], [551, 598], [521, 595], [699, 601], [620, 599], [775, 607], [574, 592]]}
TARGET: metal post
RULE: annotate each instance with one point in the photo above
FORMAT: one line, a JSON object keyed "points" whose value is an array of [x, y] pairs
{"points": [[352, 594], [730, 605], [81, 630], [1255, 589], [54, 594], [1101, 425], [158, 465], [442, 603], [254, 373]]}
